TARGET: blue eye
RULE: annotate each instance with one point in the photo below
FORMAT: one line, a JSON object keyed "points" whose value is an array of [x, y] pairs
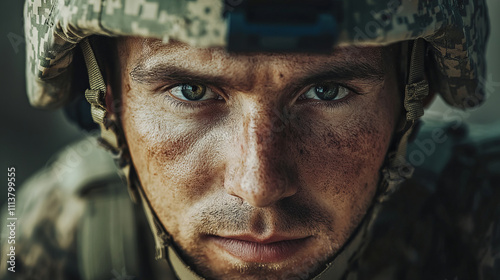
{"points": [[193, 92], [327, 92]]}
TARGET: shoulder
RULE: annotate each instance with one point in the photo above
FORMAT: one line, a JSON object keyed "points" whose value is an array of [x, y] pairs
{"points": [[443, 223], [77, 221], [49, 208], [460, 172]]}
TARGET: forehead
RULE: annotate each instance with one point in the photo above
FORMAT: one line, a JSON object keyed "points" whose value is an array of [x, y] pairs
{"points": [[148, 52]]}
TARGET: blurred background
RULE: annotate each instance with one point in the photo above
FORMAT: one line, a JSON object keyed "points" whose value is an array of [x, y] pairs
{"points": [[29, 137]]}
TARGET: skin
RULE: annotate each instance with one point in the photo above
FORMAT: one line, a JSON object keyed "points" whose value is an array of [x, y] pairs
{"points": [[260, 159]]}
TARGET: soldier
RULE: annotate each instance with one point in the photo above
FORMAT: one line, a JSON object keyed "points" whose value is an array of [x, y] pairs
{"points": [[262, 140]]}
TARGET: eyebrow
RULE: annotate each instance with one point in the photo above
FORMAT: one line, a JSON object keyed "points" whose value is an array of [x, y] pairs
{"points": [[339, 71]]}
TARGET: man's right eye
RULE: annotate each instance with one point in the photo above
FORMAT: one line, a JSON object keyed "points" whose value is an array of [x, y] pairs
{"points": [[192, 92], [326, 92]]}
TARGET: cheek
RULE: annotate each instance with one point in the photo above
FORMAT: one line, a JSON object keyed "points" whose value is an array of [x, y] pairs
{"points": [[174, 157], [344, 157], [339, 160]]}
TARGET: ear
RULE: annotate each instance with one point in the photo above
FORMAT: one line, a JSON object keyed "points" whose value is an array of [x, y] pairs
{"points": [[113, 87], [110, 100]]}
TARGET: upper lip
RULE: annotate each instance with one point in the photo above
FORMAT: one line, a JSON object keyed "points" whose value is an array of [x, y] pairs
{"points": [[263, 240]]}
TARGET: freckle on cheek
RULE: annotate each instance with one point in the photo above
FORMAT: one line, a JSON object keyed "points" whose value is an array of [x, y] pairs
{"points": [[357, 150]]}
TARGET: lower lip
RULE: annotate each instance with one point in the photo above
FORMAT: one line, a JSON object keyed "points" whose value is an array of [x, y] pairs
{"points": [[258, 252]]}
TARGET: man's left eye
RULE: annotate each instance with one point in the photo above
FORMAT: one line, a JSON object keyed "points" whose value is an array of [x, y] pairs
{"points": [[327, 92], [193, 92]]}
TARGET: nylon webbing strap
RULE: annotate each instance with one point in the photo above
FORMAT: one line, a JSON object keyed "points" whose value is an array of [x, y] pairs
{"points": [[162, 239], [416, 89], [96, 80], [96, 96], [97, 92], [181, 269]]}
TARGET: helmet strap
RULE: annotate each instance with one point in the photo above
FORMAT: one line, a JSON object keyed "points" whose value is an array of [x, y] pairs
{"points": [[96, 96], [397, 169], [113, 140], [111, 137]]}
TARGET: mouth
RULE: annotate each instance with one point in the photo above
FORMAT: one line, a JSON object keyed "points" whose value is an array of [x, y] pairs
{"points": [[270, 250]]}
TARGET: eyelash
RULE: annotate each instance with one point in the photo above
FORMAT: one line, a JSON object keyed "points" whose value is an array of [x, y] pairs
{"points": [[336, 103], [184, 105], [196, 105], [164, 92]]}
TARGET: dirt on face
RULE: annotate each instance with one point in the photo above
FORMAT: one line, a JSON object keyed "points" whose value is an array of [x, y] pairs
{"points": [[261, 157]]}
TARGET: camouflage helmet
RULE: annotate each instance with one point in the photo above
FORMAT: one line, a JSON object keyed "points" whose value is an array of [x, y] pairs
{"points": [[456, 30]]}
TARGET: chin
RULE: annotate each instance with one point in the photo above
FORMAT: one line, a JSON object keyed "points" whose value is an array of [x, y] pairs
{"points": [[296, 259]]}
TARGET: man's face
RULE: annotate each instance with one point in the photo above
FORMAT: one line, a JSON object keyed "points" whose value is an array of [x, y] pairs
{"points": [[260, 166]]}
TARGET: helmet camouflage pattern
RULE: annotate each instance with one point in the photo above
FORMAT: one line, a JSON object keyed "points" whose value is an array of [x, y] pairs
{"points": [[456, 31]]}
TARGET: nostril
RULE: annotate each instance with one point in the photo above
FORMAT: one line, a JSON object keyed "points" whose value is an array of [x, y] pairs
{"points": [[265, 192], [261, 182], [262, 200]]}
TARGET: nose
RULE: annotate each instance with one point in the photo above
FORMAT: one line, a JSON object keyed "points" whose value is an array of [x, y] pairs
{"points": [[258, 170]]}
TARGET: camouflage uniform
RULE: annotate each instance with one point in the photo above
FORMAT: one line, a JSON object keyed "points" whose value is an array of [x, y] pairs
{"points": [[76, 221], [410, 232]]}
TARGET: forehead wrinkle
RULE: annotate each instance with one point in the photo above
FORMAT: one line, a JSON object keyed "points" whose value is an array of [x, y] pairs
{"points": [[222, 72], [246, 71], [365, 54], [216, 62]]}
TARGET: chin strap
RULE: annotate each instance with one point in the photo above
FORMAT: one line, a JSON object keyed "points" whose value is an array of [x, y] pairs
{"points": [[164, 247], [112, 139], [396, 169], [180, 268], [96, 96]]}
